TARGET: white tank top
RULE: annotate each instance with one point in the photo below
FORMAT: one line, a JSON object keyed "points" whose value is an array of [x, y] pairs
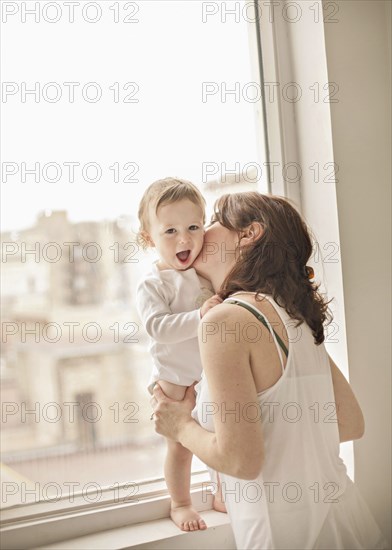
{"points": [[303, 497]]}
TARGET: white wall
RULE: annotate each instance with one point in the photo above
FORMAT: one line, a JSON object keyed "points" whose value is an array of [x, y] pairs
{"points": [[358, 52], [353, 214]]}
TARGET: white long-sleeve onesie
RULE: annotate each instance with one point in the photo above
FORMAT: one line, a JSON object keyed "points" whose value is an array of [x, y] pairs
{"points": [[168, 303]]}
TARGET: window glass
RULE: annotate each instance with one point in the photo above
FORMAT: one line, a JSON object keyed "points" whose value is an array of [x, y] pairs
{"points": [[99, 100]]}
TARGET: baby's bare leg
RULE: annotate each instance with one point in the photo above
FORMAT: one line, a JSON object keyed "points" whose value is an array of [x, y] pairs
{"points": [[218, 503], [178, 474]]}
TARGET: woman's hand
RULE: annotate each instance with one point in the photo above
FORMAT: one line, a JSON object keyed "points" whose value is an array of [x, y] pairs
{"points": [[171, 416], [215, 300]]}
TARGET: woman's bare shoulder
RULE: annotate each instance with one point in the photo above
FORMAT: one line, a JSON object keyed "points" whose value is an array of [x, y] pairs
{"points": [[224, 312], [232, 312], [221, 329]]}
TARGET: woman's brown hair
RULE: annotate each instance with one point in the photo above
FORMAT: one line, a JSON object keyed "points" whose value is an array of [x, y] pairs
{"points": [[275, 263]]}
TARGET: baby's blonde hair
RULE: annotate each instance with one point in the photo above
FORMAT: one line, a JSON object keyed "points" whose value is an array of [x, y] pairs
{"points": [[166, 191]]}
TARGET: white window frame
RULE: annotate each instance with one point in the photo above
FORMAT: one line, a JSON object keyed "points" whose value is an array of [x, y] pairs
{"points": [[279, 115], [50, 521], [47, 522]]}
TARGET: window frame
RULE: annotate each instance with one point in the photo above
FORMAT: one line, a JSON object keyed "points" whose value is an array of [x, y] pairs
{"points": [[51, 521], [279, 116]]}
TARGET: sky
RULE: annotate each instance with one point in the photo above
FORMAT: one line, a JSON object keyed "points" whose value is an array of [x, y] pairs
{"points": [[138, 111]]}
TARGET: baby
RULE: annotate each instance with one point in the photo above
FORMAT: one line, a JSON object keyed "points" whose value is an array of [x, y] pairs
{"points": [[171, 300]]}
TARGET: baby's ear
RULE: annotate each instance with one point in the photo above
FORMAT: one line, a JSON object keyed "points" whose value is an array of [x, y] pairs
{"points": [[147, 238]]}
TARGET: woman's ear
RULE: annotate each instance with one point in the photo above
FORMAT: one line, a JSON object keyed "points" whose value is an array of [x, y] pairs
{"points": [[252, 233]]}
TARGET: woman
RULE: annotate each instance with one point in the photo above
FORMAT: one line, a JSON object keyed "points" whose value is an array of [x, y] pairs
{"points": [[272, 406]]}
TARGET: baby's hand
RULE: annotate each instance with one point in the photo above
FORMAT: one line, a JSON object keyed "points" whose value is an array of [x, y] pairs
{"points": [[210, 303]]}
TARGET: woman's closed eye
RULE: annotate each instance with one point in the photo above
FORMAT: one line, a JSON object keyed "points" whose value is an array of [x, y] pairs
{"points": [[213, 220]]}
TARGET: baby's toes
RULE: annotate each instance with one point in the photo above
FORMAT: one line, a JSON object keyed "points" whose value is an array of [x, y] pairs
{"points": [[202, 524]]}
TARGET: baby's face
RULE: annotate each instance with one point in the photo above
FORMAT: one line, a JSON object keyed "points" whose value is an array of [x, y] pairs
{"points": [[177, 232]]}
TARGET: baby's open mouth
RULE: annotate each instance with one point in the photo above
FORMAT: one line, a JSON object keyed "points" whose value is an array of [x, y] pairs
{"points": [[183, 256]]}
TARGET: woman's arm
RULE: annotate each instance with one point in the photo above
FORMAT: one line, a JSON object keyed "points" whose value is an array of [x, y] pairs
{"points": [[236, 446], [351, 423]]}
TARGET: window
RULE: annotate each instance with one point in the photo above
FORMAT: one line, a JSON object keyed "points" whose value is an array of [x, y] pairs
{"points": [[104, 100], [113, 103]]}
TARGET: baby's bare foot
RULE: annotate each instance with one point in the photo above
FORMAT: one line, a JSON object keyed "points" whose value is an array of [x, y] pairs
{"points": [[218, 505], [187, 519]]}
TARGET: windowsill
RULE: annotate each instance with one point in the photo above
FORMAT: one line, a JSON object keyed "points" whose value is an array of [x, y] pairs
{"points": [[162, 533], [128, 519]]}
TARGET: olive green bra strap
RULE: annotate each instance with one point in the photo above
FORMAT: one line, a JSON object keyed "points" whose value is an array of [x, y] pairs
{"points": [[261, 318]]}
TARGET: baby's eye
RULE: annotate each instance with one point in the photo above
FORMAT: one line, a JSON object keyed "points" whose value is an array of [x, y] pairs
{"points": [[193, 227], [170, 231]]}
